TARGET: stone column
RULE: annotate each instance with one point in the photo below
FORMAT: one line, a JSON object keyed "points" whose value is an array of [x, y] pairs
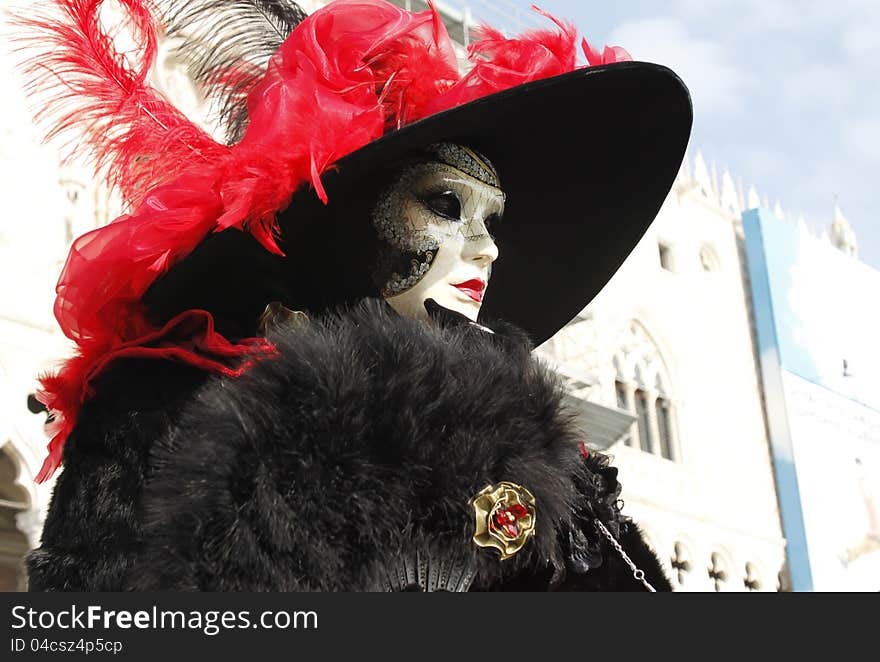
{"points": [[630, 390], [653, 427]]}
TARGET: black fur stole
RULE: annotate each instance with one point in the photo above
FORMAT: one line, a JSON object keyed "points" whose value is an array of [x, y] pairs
{"points": [[361, 445]]}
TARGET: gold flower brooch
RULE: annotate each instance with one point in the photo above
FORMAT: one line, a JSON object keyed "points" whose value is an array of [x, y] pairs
{"points": [[504, 517]]}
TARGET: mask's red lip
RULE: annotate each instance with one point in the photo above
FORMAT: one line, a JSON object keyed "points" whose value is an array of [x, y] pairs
{"points": [[474, 288]]}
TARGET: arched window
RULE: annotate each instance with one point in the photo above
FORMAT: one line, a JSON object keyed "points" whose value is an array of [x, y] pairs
{"points": [[642, 387], [14, 544]]}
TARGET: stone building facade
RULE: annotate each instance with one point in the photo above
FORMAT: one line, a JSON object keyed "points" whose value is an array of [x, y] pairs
{"points": [[668, 341]]}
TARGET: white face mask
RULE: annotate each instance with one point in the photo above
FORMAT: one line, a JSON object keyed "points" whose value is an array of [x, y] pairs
{"points": [[434, 224]]}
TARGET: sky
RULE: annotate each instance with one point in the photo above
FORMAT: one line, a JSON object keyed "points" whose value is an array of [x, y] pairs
{"points": [[786, 92]]}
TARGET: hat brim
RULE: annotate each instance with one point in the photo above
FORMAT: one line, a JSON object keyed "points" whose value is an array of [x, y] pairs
{"points": [[586, 159]]}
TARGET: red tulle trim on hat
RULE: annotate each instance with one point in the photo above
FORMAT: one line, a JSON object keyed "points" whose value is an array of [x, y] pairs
{"points": [[348, 74], [190, 338]]}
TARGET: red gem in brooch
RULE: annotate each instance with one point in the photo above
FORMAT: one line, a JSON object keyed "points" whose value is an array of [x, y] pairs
{"points": [[504, 520], [504, 517]]}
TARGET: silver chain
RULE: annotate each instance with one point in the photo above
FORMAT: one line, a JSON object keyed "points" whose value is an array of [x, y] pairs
{"points": [[637, 573]]}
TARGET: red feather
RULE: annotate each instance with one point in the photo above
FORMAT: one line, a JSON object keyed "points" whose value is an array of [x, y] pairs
{"points": [[85, 85]]}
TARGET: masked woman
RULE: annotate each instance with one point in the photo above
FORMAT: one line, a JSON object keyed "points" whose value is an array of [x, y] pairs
{"points": [[304, 357]]}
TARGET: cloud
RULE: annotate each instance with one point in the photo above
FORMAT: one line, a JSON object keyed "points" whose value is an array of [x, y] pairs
{"points": [[781, 15], [861, 136], [764, 163], [820, 86], [716, 84], [860, 39], [759, 14], [801, 77]]}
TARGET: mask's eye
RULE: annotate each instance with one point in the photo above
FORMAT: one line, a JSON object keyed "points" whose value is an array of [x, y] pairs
{"points": [[445, 204]]}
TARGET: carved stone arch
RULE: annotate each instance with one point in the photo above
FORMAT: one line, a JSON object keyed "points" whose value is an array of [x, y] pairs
{"points": [[724, 572], [660, 381], [653, 373], [753, 577], [7, 397], [642, 374], [643, 348], [709, 260], [573, 352], [620, 372], [574, 345], [682, 560], [650, 390], [14, 433], [16, 517]]}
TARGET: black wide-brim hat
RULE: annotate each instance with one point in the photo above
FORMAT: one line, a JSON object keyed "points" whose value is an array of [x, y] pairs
{"points": [[585, 159]]}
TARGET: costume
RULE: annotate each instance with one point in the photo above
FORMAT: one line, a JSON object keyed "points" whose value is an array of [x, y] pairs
{"points": [[358, 448], [414, 419]]}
